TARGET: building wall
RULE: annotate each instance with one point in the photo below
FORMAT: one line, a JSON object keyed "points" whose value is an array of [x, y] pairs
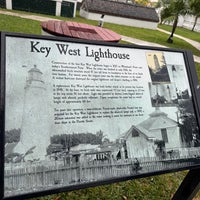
{"points": [[173, 133], [187, 22], [65, 8], [139, 147], [119, 20]]}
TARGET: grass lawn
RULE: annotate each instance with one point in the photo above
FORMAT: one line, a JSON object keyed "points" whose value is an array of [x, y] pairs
{"points": [[198, 70], [152, 36], [183, 32], [159, 187], [20, 25], [17, 24]]}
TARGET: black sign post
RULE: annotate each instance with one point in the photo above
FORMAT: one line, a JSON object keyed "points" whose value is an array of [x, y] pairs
{"points": [[189, 187], [76, 114]]}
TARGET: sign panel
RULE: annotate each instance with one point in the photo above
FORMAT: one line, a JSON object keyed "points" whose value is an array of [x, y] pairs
{"points": [[76, 114]]}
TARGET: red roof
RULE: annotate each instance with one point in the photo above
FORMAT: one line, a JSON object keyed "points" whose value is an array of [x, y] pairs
{"points": [[80, 30]]}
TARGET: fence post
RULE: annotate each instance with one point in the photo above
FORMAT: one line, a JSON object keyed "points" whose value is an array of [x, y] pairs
{"points": [[58, 7], [9, 4]]}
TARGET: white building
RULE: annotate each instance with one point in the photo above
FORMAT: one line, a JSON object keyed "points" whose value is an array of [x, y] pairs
{"points": [[138, 144], [120, 13], [140, 139]]}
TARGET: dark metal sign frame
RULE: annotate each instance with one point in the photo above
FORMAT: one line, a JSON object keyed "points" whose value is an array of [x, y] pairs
{"points": [[92, 88]]}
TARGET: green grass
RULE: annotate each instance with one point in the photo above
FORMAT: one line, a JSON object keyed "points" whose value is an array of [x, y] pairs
{"points": [[17, 24], [152, 36], [198, 70], [160, 187], [183, 32]]}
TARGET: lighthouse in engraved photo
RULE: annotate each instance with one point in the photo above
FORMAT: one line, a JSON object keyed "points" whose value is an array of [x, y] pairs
{"points": [[35, 129]]}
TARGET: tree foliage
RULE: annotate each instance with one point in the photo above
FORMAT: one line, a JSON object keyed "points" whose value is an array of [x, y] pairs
{"points": [[171, 11], [162, 3], [143, 2], [12, 135], [189, 127], [195, 10], [70, 140]]}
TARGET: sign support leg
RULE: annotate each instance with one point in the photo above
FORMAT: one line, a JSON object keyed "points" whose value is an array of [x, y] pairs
{"points": [[189, 187]]}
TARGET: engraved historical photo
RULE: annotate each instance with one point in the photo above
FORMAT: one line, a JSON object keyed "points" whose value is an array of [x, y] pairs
{"points": [[79, 113]]}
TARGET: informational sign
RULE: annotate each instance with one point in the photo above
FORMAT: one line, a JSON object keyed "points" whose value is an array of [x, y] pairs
{"points": [[76, 114]]}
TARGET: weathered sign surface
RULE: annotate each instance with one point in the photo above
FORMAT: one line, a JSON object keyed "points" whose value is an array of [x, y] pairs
{"points": [[77, 113]]}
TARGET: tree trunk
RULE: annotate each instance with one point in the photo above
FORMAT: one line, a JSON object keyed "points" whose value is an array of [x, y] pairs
{"points": [[170, 39], [195, 21]]}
